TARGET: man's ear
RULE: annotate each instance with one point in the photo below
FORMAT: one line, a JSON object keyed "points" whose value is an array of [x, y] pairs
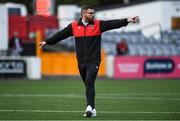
{"points": [[82, 13]]}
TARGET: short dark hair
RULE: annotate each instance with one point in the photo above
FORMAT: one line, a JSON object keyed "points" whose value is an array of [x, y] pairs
{"points": [[85, 7]]}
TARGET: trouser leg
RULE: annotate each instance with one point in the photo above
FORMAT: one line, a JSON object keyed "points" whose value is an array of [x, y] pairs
{"points": [[82, 71], [88, 73], [92, 70]]}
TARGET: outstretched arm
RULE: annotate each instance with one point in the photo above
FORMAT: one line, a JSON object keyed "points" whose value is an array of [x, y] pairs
{"points": [[63, 34], [115, 24]]}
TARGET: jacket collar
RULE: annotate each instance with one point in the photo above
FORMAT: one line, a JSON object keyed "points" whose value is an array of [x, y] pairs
{"points": [[81, 24]]}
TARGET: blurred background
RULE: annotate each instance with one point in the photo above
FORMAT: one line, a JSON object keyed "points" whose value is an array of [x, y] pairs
{"points": [[139, 72], [148, 49]]}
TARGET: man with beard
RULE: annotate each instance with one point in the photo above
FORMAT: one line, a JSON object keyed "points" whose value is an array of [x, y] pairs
{"points": [[87, 33]]}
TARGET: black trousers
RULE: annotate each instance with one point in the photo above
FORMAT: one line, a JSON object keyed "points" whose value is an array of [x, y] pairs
{"points": [[88, 72]]}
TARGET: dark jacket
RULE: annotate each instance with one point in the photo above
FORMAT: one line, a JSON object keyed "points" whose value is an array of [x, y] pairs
{"points": [[87, 38]]}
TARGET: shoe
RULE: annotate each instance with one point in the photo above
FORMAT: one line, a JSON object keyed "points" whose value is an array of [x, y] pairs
{"points": [[94, 114], [90, 112]]}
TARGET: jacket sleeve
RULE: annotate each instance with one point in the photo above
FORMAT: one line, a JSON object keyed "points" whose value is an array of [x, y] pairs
{"points": [[63, 34], [112, 24]]}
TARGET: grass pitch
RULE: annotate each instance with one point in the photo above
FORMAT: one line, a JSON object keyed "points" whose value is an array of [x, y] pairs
{"points": [[64, 99]]}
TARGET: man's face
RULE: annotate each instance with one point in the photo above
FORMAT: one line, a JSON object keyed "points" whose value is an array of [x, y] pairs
{"points": [[89, 15]]}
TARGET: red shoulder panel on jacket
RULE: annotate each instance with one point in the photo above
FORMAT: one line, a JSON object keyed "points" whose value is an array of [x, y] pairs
{"points": [[90, 30]]}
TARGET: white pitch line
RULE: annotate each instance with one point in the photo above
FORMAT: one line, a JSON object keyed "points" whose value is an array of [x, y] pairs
{"points": [[140, 94], [80, 96], [43, 95], [42, 111], [104, 94], [103, 112]]}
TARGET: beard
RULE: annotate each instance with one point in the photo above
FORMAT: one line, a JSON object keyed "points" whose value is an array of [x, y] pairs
{"points": [[89, 19]]}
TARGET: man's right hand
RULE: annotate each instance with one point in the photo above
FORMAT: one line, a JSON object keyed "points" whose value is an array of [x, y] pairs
{"points": [[42, 44]]}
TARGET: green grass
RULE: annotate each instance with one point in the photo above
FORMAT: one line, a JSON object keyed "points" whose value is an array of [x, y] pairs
{"points": [[63, 99]]}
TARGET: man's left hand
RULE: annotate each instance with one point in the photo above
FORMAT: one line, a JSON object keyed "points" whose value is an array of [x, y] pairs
{"points": [[133, 19]]}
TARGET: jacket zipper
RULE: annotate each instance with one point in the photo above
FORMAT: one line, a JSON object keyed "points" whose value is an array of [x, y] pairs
{"points": [[84, 43]]}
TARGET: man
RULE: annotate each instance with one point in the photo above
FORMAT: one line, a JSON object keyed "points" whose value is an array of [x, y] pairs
{"points": [[15, 45], [122, 47], [87, 32]]}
